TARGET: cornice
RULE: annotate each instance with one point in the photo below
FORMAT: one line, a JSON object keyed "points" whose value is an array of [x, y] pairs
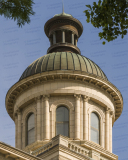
{"points": [[77, 76], [63, 19], [17, 153]]}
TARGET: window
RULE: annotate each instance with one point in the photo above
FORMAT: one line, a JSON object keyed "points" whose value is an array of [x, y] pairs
{"points": [[30, 129], [62, 121], [95, 128]]}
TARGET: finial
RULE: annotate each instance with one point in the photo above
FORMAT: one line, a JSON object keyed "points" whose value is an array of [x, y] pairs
{"points": [[62, 7]]}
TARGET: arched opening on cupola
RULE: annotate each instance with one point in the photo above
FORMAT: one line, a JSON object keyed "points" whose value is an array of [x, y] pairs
{"points": [[58, 36], [68, 36]]}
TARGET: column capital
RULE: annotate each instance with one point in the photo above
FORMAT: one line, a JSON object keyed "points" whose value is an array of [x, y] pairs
{"points": [[86, 98], [107, 110], [38, 98], [111, 113], [18, 111], [77, 96], [46, 96], [16, 115]]}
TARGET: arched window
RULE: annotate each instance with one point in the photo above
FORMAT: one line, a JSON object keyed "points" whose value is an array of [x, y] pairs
{"points": [[62, 121], [30, 129], [95, 128]]}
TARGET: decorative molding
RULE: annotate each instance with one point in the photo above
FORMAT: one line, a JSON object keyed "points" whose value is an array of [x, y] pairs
{"points": [[27, 111], [96, 109], [111, 89], [62, 102]]}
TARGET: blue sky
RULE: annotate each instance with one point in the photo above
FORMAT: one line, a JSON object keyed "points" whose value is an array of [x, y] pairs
{"points": [[19, 47]]}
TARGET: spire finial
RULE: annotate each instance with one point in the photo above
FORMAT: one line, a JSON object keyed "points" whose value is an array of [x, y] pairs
{"points": [[62, 7]]}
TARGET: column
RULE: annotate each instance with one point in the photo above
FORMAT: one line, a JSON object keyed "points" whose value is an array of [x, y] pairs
{"points": [[16, 129], [76, 41], [19, 130], [42, 118], [85, 118], [46, 117], [73, 38], [54, 38], [107, 129], [50, 41], [38, 118], [103, 136], [63, 36], [77, 116], [110, 131], [81, 118]]}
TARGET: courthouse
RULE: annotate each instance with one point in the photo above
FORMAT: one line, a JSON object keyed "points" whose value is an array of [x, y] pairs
{"points": [[63, 105]]}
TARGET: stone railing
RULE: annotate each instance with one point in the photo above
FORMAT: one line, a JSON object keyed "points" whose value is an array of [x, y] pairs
{"points": [[85, 148], [61, 140], [74, 147]]}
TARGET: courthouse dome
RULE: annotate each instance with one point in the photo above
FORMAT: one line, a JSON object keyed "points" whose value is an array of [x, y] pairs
{"points": [[63, 61]]}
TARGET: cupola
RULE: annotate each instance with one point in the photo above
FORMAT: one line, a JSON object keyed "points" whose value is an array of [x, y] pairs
{"points": [[63, 32]]}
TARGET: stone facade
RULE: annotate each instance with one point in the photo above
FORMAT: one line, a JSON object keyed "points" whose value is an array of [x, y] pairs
{"points": [[79, 127]]}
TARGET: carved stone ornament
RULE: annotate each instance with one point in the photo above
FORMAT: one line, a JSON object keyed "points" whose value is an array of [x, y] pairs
{"points": [[77, 96], [46, 97], [38, 98], [86, 98]]}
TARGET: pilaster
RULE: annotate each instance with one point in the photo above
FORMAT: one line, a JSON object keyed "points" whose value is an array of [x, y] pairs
{"points": [[46, 117], [107, 129], [16, 129], [42, 118], [85, 117], [110, 131], [38, 104], [77, 116], [19, 134]]}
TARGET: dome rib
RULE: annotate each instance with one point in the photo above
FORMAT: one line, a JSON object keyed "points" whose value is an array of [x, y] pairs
{"points": [[39, 64], [85, 64], [63, 61], [90, 65], [73, 60], [79, 62]]}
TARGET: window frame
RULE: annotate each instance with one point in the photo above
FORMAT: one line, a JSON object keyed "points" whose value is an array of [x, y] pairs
{"points": [[28, 116], [95, 128], [65, 121]]}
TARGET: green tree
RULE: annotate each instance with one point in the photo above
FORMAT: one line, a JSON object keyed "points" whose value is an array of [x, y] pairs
{"points": [[111, 15], [18, 10]]}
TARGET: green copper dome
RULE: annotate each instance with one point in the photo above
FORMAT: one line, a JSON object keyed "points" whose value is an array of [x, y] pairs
{"points": [[63, 61]]}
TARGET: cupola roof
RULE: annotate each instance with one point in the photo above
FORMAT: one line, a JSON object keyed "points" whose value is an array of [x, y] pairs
{"points": [[63, 14]]}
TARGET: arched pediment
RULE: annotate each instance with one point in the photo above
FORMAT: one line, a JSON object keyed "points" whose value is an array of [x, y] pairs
{"points": [[62, 102]]}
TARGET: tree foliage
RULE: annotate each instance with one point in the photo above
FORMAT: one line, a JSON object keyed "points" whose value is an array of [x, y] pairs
{"points": [[18, 10], [111, 15]]}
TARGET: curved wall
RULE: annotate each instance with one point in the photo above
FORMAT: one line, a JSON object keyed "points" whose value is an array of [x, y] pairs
{"points": [[79, 98]]}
